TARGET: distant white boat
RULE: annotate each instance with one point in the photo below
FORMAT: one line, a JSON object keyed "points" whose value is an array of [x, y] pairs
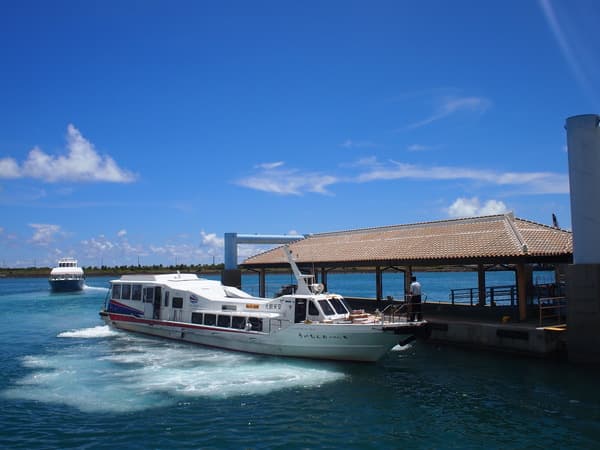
{"points": [[307, 323], [67, 276]]}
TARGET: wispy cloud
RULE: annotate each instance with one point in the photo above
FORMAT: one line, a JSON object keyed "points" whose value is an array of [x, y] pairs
{"points": [[469, 207], [269, 166], [349, 143], [81, 163], [419, 148], [450, 106], [578, 44], [535, 182], [367, 170], [288, 182]]}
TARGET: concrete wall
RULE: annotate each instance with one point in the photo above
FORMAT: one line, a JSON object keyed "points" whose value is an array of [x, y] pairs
{"points": [[583, 322], [526, 340]]}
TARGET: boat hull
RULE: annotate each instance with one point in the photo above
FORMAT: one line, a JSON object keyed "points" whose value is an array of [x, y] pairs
{"points": [[67, 285], [344, 342]]}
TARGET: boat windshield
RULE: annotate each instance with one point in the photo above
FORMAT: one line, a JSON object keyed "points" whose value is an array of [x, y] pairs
{"points": [[339, 306], [326, 307]]}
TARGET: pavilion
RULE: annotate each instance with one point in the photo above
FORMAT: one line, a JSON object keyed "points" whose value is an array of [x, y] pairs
{"points": [[479, 242]]}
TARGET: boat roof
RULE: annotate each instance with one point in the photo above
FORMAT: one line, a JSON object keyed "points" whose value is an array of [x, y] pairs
{"points": [[160, 278], [210, 289]]}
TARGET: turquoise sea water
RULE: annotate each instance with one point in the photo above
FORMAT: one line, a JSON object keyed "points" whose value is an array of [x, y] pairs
{"points": [[68, 381]]}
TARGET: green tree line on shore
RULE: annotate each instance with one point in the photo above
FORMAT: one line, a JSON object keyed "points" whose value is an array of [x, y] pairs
{"points": [[117, 270]]}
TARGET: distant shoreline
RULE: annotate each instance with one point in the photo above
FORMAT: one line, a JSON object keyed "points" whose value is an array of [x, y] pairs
{"points": [[45, 273]]}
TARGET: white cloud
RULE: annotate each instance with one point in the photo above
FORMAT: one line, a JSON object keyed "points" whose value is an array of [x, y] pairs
{"points": [[211, 240], [9, 168], [44, 233], [82, 163], [452, 105], [97, 245], [468, 207], [122, 233]]}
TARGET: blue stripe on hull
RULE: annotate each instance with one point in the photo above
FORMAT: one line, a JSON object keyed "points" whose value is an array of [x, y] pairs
{"points": [[120, 308]]}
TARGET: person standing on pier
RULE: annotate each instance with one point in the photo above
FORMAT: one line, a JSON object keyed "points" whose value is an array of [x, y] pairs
{"points": [[415, 300]]}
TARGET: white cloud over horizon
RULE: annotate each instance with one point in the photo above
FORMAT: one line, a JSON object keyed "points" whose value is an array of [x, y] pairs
{"points": [[82, 163], [470, 207]]}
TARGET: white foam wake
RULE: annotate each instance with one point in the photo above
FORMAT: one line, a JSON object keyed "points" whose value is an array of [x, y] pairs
{"points": [[123, 372], [95, 288], [89, 333]]}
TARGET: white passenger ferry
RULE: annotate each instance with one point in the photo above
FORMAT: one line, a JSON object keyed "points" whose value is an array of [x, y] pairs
{"points": [[67, 276], [307, 323]]}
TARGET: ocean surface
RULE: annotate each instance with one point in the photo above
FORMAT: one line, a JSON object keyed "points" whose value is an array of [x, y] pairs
{"points": [[68, 381]]}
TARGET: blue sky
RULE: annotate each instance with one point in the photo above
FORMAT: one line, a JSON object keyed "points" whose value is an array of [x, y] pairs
{"points": [[145, 130]]}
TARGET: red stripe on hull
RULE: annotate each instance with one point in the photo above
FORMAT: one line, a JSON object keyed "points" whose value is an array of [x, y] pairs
{"points": [[125, 318]]}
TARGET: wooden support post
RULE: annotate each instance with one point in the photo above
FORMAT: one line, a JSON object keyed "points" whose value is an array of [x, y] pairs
{"points": [[262, 284], [522, 291], [481, 284]]}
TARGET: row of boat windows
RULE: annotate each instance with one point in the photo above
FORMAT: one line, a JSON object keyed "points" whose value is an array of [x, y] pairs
{"points": [[147, 294], [132, 292], [226, 321]]}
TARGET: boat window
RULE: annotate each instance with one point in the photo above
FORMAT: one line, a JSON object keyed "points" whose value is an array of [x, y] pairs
{"points": [[326, 307], [167, 298], [126, 292], [228, 308], [148, 294], [178, 302], [197, 317], [238, 322], [224, 321], [209, 319], [312, 309], [116, 291], [136, 292], [339, 306], [257, 324]]}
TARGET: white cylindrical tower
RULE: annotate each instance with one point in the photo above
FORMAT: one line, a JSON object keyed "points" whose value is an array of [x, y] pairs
{"points": [[583, 141]]}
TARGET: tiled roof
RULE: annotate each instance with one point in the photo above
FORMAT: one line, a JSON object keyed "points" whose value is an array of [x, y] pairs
{"points": [[498, 237]]}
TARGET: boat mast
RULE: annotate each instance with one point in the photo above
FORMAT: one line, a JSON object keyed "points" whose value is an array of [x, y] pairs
{"points": [[303, 288]]}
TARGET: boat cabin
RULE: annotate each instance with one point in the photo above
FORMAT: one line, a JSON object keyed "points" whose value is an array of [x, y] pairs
{"points": [[189, 299]]}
